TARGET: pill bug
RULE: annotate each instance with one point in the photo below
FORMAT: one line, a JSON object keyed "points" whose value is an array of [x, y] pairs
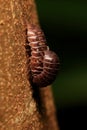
{"points": [[44, 64]]}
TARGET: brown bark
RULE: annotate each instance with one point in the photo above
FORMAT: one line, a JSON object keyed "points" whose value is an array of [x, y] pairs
{"points": [[22, 107]]}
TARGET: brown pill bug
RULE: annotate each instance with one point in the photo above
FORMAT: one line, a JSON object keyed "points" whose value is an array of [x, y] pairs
{"points": [[44, 64]]}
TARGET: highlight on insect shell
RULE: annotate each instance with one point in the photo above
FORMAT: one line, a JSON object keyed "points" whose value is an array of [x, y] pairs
{"points": [[44, 64]]}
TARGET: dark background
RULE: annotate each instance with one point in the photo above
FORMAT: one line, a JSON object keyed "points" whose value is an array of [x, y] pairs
{"points": [[65, 26]]}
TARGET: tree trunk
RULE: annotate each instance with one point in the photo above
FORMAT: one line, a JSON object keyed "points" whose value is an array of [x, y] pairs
{"points": [[21, 106]]}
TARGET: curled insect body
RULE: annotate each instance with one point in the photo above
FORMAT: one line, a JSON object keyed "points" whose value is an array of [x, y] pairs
{"points": [[50, 68], [44, 64]]}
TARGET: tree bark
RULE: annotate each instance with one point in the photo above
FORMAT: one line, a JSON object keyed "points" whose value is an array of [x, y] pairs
{"points": [[22, 107]]}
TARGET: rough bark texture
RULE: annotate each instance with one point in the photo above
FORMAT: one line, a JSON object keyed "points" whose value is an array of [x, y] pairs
{"points": [[22, 107]]}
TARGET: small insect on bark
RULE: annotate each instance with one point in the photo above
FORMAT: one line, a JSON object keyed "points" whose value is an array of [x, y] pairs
{"points": [[44, 64]]}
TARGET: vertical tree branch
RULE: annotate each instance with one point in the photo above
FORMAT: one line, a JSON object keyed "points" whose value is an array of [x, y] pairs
{"points": [[21, 106]]}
